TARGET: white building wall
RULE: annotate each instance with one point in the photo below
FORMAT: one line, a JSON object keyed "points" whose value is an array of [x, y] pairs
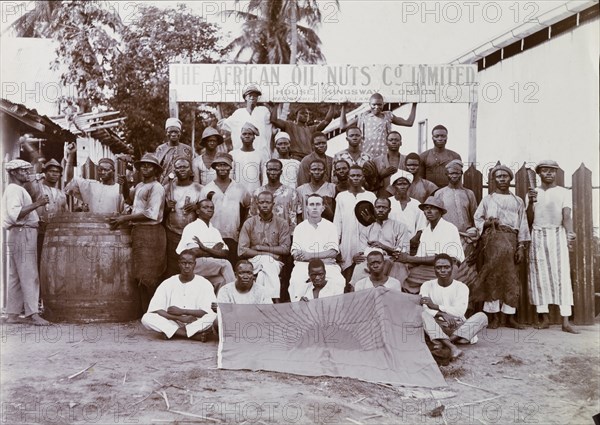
{"points": [[548, 106]]}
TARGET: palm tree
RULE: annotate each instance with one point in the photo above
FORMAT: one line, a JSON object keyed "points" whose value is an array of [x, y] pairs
{"points": [[272, 35]]}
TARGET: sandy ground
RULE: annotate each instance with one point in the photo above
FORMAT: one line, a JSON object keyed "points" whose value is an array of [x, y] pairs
{"points": [[132, 376]]}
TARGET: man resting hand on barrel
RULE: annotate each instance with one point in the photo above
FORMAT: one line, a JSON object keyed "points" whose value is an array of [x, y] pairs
{"points": [[182, 304]]}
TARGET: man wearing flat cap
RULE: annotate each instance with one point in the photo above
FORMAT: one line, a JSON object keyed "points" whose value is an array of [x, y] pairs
{"points": [[502, 223], [171, 149], [231, 202], [101, 197], [552, 234], [20, 220], [259, 116], [148, 236], [439, 236]]}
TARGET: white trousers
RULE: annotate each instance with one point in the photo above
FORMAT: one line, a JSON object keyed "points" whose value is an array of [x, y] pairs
{"points": [[23, 285], [155, 322], [494, 307], [267, 269], [468, 330], [299, 277], [565, 310]]}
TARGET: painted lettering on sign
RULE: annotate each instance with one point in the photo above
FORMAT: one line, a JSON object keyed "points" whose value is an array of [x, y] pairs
{"points": [[324, 83]]}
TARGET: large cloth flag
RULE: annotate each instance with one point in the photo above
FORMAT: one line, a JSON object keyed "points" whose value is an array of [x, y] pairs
{"points": [[374, 335]]}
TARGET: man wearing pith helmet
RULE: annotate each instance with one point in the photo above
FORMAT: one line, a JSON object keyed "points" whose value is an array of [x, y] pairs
{"points": [[439, 236], [20, 221], [148, 238]]}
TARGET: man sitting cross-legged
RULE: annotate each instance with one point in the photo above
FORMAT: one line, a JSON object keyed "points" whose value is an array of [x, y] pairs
{"points": [[444, 302], [208, 246], [182, 304], [377, 277], [317, 286]]}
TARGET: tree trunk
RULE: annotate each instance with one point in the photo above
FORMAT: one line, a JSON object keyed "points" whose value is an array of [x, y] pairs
{"points": [[294, 30], [283, 113]]}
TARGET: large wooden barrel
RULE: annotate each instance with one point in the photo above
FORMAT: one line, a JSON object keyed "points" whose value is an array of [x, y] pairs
{"points": [[86, 271]]}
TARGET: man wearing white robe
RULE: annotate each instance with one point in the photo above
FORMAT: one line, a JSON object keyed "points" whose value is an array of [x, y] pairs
{"points": [[182, 304]]}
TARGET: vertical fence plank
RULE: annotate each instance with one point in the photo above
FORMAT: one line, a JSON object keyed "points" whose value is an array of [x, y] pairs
{"points": [[491, 181], [583, 284], [88, 170], [473, 179], [525, 311]]}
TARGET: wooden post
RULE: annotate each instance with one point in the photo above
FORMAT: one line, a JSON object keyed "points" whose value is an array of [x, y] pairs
{"points": [[583, 282], [491, 181], [193, 141], [473, 179], [473, 126], [173, 105], [526, 313]]}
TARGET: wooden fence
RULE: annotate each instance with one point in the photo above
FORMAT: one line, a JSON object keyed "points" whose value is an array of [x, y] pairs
{"points": [[581, 258]]}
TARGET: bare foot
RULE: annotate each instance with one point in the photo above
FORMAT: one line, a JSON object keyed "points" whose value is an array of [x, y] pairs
{"points": [[544, 324], [494, 322], [455, 353], [512, 323], [37, 320], [459, 340], [14, 319], [569, 329], [202, 337]]}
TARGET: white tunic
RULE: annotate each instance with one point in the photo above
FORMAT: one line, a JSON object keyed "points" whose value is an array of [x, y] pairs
{"points": [[197, 294], [261, 118], [412, 216], [347, 224]]}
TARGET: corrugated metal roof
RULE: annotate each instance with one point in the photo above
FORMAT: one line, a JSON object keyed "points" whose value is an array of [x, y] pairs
{"points": [[102, 126], [39, 123]]}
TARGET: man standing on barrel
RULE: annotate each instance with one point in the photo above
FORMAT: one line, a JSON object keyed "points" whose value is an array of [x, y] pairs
{"points": [[148, 235], [20, 220]]}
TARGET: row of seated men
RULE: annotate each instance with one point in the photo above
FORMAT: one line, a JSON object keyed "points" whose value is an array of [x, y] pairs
{"points": [[185, 305]]}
